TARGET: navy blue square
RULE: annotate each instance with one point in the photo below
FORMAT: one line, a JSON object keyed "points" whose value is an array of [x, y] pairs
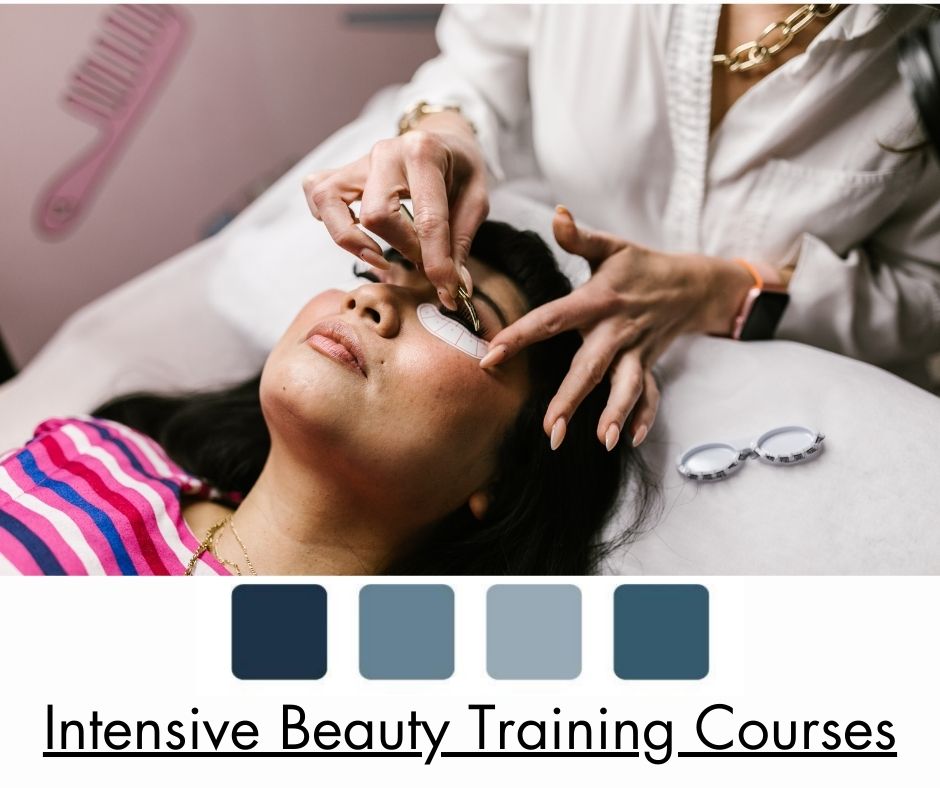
{"points": [[661, 631], [279, 631]]}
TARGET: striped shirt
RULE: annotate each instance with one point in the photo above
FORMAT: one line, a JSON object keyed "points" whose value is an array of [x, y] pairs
{"points": [[88, 496]]}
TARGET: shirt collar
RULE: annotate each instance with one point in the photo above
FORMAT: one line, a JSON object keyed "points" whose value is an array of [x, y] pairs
{"points": [[854, 22]]}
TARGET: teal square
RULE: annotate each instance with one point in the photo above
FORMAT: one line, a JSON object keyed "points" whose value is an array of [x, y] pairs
{"points": [[533, 632], [406, 631], [661, 631]]}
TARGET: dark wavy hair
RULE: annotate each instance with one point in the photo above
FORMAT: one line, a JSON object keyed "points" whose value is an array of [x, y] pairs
{"points": [[547, 509]]}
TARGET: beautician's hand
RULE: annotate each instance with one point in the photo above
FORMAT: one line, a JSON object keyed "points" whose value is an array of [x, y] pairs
{"points": [[440, 165], [635, 303]]}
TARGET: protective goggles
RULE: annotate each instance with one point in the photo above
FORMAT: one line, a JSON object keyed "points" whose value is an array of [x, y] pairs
{"points": [[790, 445]]}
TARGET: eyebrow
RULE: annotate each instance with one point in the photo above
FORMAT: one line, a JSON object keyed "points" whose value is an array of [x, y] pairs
{"points": [[394, 256], [493, 305]]}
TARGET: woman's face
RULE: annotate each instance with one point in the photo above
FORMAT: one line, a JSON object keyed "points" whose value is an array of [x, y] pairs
{"points": [[391, 401]]}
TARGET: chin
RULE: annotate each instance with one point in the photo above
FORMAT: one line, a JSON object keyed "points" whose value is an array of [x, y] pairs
{"points": [[309, 400]]}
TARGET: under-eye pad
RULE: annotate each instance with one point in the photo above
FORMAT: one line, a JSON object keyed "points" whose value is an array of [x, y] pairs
{"points": [[451, 331]]}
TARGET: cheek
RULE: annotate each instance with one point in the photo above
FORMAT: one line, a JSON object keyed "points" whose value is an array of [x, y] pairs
{"points": [[453, 411], [441, 376]]}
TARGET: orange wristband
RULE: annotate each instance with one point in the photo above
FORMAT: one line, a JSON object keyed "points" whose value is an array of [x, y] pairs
{"points": [[765, 276], [758, 279]]}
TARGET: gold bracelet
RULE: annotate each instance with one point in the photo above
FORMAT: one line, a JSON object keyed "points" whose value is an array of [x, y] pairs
{"points": [[419, 109]]}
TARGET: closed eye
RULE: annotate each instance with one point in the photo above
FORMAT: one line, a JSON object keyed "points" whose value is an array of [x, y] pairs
{"points": [[394, 256], [364, 272]]}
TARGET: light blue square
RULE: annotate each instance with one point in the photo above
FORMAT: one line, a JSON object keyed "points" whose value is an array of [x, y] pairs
{"points": [[533, 632], [406, 631]]}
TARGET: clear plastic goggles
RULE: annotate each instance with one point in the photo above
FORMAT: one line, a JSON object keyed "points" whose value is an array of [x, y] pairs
{"points": [[790, 445]]}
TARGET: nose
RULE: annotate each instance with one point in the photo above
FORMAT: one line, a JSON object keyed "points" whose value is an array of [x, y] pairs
{"points": [[376, 305]]}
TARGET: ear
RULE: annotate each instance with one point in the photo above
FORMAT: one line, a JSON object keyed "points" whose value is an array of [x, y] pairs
{"points": [[479, 502]]}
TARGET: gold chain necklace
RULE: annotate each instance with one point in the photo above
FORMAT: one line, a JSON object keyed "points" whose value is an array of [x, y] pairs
{"points": [[773, 38], [210, 543]]}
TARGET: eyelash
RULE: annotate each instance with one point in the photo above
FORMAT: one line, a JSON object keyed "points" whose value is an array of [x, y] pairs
{"points": [[364, 272], [464, 321]]}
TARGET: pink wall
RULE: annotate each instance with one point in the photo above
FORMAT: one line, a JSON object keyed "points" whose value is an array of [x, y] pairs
{"points": [[256, 87]]}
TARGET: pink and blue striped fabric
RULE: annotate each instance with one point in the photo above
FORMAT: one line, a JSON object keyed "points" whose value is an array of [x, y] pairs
{"points": [[88, 496]]}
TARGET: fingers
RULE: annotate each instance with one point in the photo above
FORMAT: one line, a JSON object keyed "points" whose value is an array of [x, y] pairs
{"points": [[633, 390], [425, 167], [421, 165], [329, 198], [467, 213], [380, 211], [627, 387], [644, 414], [562, 314], [310, 183], [588, 368], [593, 245]]}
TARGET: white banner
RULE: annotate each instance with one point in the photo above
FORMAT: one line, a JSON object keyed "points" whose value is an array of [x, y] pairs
{"points": [[825, 679]]}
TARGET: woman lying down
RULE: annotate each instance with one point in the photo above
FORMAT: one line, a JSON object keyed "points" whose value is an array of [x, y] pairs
{"points": [[371, 443]]}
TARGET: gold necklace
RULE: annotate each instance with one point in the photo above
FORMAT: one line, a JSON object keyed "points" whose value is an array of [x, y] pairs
{"points": [[210, 543], [773, 38]]}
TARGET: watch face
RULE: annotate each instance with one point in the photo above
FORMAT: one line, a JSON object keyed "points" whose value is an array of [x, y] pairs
{"points": [[765, 314]]}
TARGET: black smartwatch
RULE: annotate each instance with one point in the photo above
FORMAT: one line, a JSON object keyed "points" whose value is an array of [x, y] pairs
{"points": [[762, 308]]}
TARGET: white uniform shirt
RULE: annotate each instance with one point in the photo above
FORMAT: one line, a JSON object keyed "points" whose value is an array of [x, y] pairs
{"points": [[610, 106]]}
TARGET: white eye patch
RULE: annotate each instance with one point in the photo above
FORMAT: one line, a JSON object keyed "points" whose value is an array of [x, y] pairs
{"points": [[451, 331]]}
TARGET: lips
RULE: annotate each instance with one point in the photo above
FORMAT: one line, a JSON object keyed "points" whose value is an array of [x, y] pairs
{"points": [[339, 341]]}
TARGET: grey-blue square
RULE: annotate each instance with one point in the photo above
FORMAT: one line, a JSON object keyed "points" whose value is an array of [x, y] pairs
{"points": [[533, 631], [661, 631], [406, 631], [279, 631]]}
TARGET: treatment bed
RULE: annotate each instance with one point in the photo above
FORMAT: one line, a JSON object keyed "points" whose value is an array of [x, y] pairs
{"points": [[870, 504]]}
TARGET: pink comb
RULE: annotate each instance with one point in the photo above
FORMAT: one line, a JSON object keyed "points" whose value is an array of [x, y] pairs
{"points": [[112, 89]]}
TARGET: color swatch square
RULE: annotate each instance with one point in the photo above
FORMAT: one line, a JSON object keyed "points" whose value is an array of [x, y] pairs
{"points": [[533, 632], [661, 631], [406, 631], [279, 631]]}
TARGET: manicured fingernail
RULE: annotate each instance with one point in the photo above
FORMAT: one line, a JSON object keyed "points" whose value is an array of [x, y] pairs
{"points": [[447, 299], [640, 435], [374, 259], [465, 277], [562, 210], [493, 355], [613, 435], [558, 433]]}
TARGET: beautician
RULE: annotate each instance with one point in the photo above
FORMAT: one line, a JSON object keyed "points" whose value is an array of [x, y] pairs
{"points": [[728, 153]]}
